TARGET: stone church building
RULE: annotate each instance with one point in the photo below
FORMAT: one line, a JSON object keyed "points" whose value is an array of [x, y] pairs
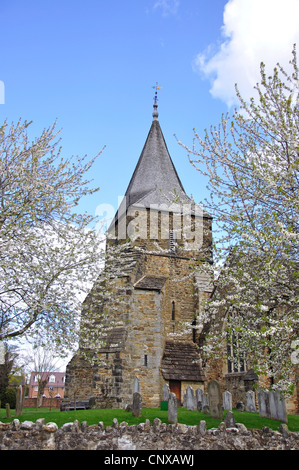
{"points": [[148, 326]]}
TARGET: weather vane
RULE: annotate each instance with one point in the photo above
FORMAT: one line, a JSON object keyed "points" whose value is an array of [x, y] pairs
{"points": [[156, 88]]}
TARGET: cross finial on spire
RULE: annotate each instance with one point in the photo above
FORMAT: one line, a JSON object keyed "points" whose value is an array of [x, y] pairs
{"points": [[155, 113]]}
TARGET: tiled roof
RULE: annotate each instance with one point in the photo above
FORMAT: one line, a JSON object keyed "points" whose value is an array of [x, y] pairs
{"points": [[59, 378], [181, 361]]}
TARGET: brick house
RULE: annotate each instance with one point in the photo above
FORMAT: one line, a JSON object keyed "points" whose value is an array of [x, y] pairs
{"points": [[54, 387]]}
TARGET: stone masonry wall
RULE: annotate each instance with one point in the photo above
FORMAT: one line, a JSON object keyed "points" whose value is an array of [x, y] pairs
{"points": [[147, 318], [144, 436]]}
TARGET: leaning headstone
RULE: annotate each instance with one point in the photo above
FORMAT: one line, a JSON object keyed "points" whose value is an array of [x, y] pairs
{"points": [[214, 399], [165, 392], [264, 404], [172, 408], [136, 386], [189, 398], [229, 420], [250, 401], [227, 401], [137, 404]]}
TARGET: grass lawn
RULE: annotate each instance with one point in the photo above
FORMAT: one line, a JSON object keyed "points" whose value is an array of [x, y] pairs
{"points": [[250, 420]]}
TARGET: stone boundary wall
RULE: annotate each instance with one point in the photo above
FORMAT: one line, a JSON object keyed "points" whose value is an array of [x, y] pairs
{"points": [[146, 436]]}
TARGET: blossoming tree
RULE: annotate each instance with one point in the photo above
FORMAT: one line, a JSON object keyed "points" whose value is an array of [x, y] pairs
{"points": [[49, 256], [251, 161]]}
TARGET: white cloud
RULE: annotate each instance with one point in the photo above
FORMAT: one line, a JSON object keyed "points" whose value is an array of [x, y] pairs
{"points": [[254, 31], [169, 7]]}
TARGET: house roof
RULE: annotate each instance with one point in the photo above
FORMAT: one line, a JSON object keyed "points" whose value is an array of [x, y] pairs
{"points": [[59, 378], [181, 361]]}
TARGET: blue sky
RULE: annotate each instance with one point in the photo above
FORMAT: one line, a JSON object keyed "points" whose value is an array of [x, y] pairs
{"points": [[92, 65]]}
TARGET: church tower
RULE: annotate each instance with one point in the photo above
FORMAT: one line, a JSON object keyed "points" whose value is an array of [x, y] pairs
{"points": [[141, 318]]}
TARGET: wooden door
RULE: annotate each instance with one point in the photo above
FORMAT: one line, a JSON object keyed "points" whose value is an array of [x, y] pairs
{"points": [[175, 387]]}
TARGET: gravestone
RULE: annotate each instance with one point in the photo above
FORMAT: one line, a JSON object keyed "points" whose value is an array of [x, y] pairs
{"points": [[229, 420], [189, 398], [264, 403], [240, 406], [165, 392], [277, 406], [19, 401], [172, 408], [136, 386], [227, 401], [199, 398], [214, 399], [281, 408], [250, 401], [137, 404], [205, 402]]}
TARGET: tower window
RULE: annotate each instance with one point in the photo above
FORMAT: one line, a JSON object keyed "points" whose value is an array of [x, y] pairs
{"points": [[173, 310], [145, 360]]}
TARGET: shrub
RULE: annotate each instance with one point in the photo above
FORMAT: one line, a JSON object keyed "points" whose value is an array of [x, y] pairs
{"points": [[8, 395]]}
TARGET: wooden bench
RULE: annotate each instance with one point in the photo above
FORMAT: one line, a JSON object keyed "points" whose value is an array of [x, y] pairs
{"points": [[70, 405]]}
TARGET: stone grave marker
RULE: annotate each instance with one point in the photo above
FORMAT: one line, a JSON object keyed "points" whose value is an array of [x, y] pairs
{"points": [[227, 401], [277, 406], [215, 404], [264, 403], [189, 398], [205, 403], [136, 386], [250, 401], [165, 392], [281, 408], [137, 404], [229, 420], [19, 401], [172, 408], [199, 398], [240, 406]]}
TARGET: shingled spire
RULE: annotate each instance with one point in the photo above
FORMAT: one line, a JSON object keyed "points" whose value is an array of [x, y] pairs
{"points": [[155, 180]]}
